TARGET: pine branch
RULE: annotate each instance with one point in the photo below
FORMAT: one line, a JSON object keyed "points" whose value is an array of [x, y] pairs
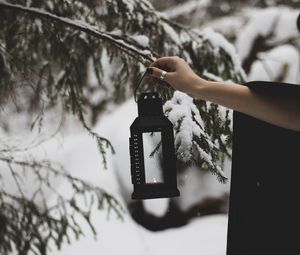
{"points": [[28, 226], [138, 54], [209, 54]]}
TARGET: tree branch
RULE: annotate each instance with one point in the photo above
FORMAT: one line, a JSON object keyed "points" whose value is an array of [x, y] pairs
{"points": [[140, 55]]}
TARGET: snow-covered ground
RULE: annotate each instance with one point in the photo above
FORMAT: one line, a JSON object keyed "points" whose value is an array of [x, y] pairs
{"points": [[78, 153], [205, 235]]}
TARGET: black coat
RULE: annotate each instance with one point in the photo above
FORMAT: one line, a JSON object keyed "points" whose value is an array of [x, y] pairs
{"points": [[264, 209]]}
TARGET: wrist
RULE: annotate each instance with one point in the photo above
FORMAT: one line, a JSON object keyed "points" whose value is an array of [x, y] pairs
{"points": [[201, 88]]}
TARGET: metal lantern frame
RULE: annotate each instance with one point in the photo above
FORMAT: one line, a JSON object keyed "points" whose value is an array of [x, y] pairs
{"points": [[151, 119]]}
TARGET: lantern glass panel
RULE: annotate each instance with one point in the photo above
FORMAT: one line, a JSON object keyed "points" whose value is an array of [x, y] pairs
{"points": [[152, 157]]}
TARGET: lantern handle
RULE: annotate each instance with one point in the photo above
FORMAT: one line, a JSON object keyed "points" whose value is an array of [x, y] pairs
{"points": [[148, 70]]}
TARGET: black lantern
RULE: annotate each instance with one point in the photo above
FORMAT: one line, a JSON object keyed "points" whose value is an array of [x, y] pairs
{"points": [[161, 182]]}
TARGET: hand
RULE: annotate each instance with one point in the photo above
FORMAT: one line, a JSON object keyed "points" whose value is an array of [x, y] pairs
{"points": [[179, 74]]}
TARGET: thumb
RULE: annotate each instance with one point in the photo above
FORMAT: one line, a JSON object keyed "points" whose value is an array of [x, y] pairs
{"points": [[156, 72]]}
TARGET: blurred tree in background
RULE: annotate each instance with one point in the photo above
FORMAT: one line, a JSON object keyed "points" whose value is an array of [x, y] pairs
{"points": [[241, 23]]}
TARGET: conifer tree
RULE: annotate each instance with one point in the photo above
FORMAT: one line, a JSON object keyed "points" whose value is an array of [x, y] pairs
{"points": [[47, 51]]}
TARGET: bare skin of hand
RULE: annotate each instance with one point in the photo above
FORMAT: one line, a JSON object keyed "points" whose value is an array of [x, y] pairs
{"points": [[179, 74], [283, 112]]}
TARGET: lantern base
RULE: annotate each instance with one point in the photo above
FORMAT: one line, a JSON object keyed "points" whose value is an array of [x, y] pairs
{"points": [[147, 194]]}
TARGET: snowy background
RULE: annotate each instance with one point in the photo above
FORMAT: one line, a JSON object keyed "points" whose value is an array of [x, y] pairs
{"points": [[265, 40]]}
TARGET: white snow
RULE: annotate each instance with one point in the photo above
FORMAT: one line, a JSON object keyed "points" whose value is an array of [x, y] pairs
{"points": [[277, 22], [212, 76], [219, 41], [286, 25], [141, 40], [160, 205], [130, 4], [205, 235], [179, 110], [79, 154], [100, 92], [171, 33], [271, 64], [228, 26], [79, 24], [186, 7], [260, 25], [100, 10], [38, 22], [195, 186], [117, 32]]}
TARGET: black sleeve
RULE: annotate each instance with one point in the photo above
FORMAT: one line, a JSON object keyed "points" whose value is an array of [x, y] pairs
{"points": [[276, 88]]}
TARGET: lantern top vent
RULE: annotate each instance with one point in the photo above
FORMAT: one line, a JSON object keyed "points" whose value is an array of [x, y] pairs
{"points": [[150, 104]]}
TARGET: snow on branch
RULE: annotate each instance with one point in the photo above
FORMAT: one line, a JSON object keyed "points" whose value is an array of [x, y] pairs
{"points": [[192, 143], [208, 53], [132, 51], [219, 41], [186, 8], [279, 27]]}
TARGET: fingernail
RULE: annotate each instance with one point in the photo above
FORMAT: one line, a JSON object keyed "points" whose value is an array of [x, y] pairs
{"points": [[149, 70]]}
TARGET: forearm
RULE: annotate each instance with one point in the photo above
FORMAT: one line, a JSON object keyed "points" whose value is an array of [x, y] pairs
{"points": [[283, 112], [279, 110]]}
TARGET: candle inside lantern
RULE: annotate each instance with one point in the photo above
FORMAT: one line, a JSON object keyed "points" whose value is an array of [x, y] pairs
{"points": [[153, 182]]}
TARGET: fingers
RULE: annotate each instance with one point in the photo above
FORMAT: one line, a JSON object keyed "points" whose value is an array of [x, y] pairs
{"points": [[166, 63], [170, 64], [156, 72], [178, 74]]}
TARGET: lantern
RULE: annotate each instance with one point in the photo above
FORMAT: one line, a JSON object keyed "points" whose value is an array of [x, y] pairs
{"points": [[150, 181]]}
